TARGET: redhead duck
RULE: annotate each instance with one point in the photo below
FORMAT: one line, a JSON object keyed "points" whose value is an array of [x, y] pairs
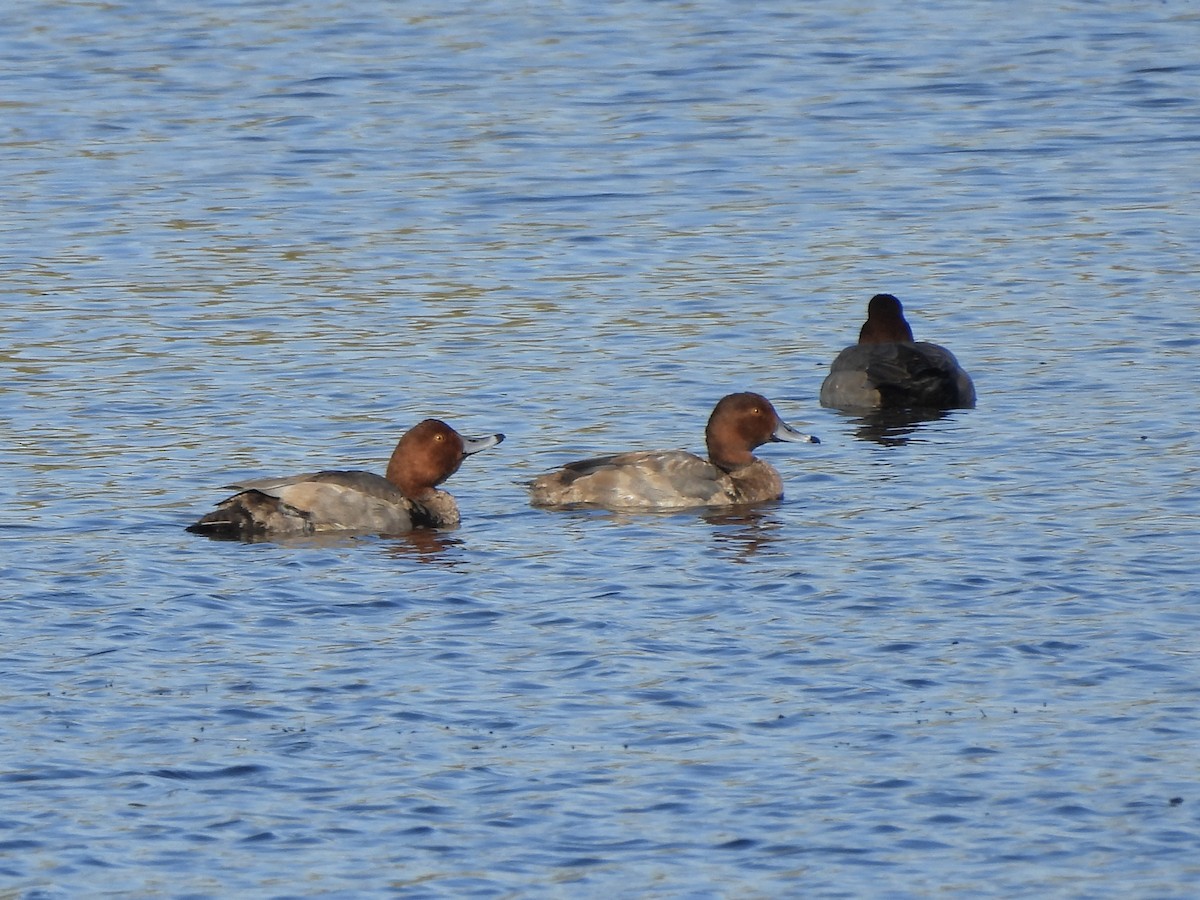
{"points": [[333, 500], [888, 369], [676, 479]]}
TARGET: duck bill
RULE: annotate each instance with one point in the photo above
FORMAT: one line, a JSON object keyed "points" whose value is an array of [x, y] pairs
{"points": [[785, 432], [474, 445]]}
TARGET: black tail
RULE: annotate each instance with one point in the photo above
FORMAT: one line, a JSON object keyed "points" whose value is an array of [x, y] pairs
{"points": [[250, 515], [230, 521]]}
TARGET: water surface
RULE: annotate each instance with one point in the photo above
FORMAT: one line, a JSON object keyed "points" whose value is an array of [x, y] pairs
{"points": [[252, 238]]}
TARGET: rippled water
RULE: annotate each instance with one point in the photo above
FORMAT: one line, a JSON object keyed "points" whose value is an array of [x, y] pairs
{"points": [[254, 238]]}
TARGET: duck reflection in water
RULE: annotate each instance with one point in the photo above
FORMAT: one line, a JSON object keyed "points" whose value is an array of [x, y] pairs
{"points": [[423, 544], [743, 532], [894, 427]]}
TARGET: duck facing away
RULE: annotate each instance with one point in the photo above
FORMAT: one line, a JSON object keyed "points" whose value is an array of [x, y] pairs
{"points": [[406, 497], [677, 479], [888, 369]]}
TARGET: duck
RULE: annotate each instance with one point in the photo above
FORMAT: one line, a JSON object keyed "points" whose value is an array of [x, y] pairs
{"points": [[889, 369], [678, 479], [404, 498]]}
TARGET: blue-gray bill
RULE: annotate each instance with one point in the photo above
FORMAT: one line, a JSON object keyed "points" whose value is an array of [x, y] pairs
{"points": [[785, 432]]}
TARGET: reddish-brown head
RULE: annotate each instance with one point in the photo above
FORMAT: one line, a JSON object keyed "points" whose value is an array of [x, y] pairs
{"points": [[428, 454], [885, 322], [742, 422]]}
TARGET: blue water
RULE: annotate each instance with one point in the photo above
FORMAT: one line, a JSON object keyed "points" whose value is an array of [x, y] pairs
{"points": [[244, 239]]}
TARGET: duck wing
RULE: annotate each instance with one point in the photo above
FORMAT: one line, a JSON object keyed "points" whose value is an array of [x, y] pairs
{"points": [[649, 479]]}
